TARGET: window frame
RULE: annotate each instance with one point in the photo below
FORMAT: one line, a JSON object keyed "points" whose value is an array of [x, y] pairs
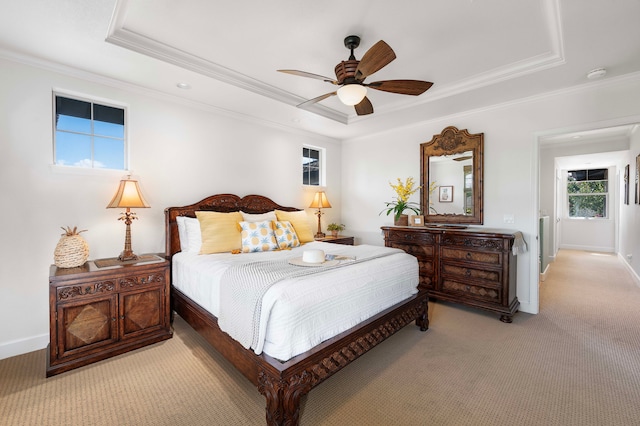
{"points": [[321, 165], [607, 197], [93, 100]]}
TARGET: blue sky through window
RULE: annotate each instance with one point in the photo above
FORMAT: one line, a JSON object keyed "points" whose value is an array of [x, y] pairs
{"points": [[89, 135]]}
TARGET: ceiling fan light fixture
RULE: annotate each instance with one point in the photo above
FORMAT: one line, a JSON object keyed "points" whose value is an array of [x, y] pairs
{"points": [[352, 94]]}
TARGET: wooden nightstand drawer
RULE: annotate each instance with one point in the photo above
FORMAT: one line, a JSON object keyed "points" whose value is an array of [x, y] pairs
{"points": [[97, 313], [340, 239]]}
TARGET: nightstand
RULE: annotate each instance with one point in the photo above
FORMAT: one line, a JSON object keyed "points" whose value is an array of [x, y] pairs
{"points": [[340, 239], [99, 312]]}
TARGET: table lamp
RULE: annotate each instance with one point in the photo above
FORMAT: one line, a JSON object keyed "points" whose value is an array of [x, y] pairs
{"points": [[319, 202], [128, 196]]}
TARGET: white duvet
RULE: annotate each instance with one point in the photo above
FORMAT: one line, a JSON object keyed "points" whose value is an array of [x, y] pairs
{"points": [[299, 313]]}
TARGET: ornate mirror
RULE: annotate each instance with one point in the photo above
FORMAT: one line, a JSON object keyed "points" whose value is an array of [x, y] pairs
{"points": [[451, 177]]}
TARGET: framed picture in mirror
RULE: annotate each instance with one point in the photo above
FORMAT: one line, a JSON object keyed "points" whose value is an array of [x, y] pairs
{"points": [[445, 194]]}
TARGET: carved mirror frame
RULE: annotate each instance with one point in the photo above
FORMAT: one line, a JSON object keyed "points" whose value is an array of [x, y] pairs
{"points": [[453, 141]]}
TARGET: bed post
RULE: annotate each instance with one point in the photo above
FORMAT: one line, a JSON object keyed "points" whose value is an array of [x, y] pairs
{"points": [[283, 397]]}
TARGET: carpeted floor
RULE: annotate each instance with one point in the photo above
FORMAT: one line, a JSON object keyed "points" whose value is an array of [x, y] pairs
{"points": [[575, 363]]}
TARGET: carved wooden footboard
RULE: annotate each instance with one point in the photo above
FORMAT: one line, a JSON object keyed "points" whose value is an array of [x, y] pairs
{"points": [[284, 383]]}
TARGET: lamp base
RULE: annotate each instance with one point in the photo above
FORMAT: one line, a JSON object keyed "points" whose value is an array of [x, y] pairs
{"points": [[127, 255], [320, 235]]}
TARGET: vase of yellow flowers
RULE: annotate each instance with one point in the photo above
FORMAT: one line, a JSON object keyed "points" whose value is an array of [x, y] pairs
{"points": [[403, 190]]}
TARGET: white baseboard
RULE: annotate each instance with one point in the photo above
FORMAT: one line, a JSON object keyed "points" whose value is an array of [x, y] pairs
{"points": [[633, 273], [23, 346], [527, 307], [588, 248]]}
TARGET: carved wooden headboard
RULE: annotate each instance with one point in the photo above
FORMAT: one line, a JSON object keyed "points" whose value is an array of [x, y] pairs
{"points": [[224, 203]]}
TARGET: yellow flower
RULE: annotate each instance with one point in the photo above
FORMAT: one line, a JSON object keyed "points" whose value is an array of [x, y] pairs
{"points": [[404, 190]]}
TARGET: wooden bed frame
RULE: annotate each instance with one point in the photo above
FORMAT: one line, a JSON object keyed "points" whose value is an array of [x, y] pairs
{"points": [[284, 383]]}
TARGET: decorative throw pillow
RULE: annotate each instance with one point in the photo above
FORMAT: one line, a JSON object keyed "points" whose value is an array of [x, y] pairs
{"points": [[286, 236], [220, 232], [300, 223], [250, 217], [258, 236]]}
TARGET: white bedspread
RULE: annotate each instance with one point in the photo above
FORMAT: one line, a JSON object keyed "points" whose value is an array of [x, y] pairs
{"points": [[299, 313]]}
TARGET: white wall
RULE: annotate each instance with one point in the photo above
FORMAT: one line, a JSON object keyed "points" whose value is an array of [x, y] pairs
{"points": [[510, 162], [629, 243], [179, 152]]}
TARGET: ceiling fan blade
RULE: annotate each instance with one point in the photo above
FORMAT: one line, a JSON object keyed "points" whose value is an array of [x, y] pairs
{"points": [[364, 107], [310, 75], [318, 99], [403, 87], [379, 55]]}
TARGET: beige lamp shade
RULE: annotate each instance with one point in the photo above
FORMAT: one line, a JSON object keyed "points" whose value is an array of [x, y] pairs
{"points": [[128, 195], [320, 201]]}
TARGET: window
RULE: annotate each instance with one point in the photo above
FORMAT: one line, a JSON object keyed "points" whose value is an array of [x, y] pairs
{"points": [[310, 166], [588, 193], [88, 134]]}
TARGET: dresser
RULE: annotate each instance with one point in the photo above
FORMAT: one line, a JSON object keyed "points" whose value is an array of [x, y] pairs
{"points": [[469, 265], [99, 312]]}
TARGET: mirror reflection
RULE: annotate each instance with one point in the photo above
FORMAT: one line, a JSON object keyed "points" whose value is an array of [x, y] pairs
{"points": [[451, 178]]}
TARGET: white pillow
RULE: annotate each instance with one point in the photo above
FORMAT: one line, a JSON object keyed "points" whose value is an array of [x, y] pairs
{"points": [[189, 233], [249, 217], [182, 233]]}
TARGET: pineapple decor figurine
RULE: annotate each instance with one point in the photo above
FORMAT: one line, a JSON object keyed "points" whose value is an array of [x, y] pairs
{"points": [[72, 250]]}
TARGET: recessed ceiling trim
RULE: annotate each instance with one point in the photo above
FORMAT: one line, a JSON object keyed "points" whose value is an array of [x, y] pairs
{"points": [[123, 37], [553, 57], [120, 36]]}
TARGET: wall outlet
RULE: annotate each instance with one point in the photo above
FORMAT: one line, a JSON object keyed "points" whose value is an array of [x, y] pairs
{"points": [[508, 218], [629, 256]]}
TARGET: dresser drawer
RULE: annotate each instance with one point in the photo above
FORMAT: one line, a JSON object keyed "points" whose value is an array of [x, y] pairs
{"points": [[467, 290], [489, 258], [475, 243], [465, 272], [409, 237], [427, 282], [419, 251]]}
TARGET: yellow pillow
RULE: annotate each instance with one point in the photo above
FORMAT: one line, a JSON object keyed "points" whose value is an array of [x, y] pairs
{"points": [[220, 232], [300, 223]]}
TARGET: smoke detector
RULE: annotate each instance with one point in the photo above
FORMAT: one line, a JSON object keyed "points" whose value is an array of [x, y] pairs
{"points": [[597, 73]]}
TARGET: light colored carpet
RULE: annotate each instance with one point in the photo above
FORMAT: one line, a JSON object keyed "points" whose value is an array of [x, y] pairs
{"points": [[575, 363]]}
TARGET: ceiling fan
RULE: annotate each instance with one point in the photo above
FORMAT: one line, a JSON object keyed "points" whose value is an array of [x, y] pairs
{"points": [[350, 76]]}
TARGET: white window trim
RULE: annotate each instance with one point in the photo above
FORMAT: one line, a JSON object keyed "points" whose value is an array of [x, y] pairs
{"points": [[323, 166], [565, 201]]}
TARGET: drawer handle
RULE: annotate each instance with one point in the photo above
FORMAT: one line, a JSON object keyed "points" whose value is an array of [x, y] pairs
{"points": [[468, 288], [467, 272], [468, 256], [121, 317]]}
